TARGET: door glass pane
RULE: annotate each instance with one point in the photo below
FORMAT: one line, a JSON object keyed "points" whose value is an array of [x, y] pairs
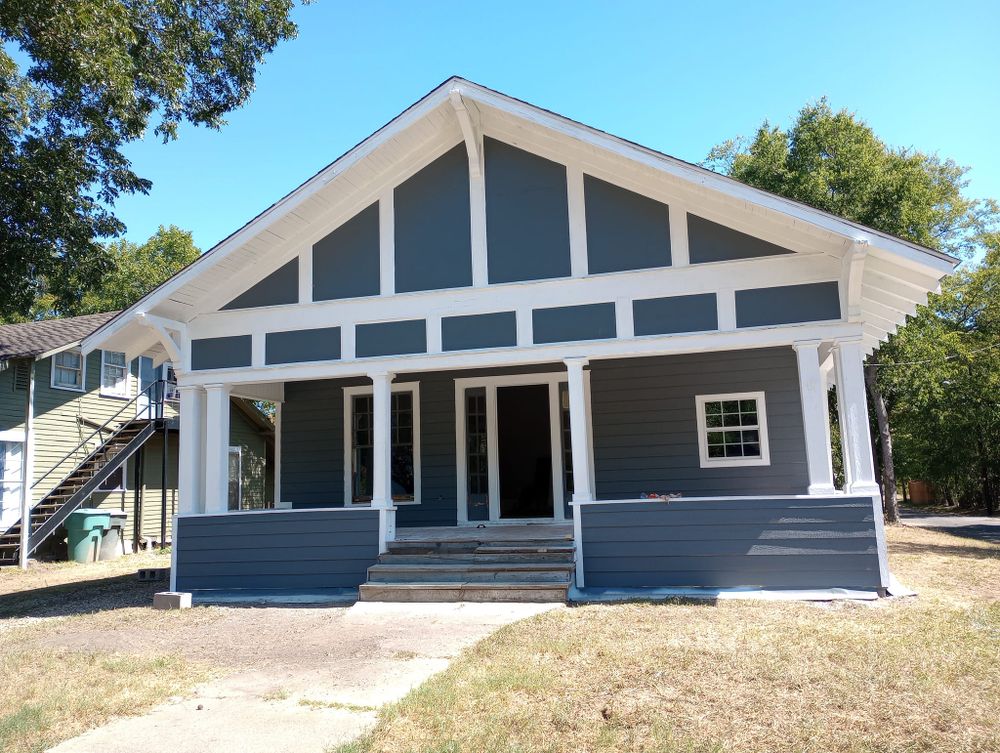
{"points": [[402, 446], [567, 441], [477, 461], [234, 478], [363, 452]]}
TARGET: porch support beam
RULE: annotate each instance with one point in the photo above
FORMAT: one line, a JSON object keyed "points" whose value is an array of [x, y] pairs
{"points": [[812, 393], [578, 430], [852, 405], [190, 473], [382, 456], [216, 448]]}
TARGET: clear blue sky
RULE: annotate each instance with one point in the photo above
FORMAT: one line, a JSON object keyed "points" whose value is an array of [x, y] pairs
{"points": [[676, 78]]}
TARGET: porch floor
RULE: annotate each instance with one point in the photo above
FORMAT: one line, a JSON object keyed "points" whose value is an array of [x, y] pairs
{"points": [[488, 533]]}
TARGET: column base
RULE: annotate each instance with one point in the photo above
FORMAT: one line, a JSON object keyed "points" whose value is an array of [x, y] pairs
{"points": [[821, 490], [865, 488]]}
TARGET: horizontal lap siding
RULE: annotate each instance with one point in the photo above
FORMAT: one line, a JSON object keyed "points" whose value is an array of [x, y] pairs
{"points": [[286, 550], [646, 431], [767, 543]]}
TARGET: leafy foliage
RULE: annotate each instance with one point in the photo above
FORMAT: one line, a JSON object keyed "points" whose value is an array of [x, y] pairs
{"points": [[79, 79], [940, 373]]}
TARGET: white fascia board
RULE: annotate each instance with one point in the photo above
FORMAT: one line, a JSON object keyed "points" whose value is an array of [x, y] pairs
{"points": [[763, 337], [60, 349]]}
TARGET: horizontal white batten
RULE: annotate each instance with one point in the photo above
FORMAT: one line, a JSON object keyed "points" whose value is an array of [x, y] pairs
{"points": [[761, 497]]}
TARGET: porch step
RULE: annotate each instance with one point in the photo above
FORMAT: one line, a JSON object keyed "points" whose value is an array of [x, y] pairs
{"points": [[478, 556], [423, 592], [473, 546], [508, 573]]}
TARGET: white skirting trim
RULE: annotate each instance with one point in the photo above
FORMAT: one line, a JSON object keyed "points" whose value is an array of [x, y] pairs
{"points": [[589, 595]]}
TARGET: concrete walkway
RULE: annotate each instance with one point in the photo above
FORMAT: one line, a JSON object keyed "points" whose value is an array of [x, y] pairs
{"points": [[971, 526], [363, 657]]}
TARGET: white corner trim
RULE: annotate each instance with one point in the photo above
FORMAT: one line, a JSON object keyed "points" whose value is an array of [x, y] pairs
{"points": [[349, 394], [761, 428]]}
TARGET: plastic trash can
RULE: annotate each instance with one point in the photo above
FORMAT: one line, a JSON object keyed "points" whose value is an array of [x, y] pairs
{"points": [[84, 529], [111, 539]]}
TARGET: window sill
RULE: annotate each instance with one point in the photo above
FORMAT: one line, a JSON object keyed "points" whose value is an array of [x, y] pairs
{"points": [[68, 389]]}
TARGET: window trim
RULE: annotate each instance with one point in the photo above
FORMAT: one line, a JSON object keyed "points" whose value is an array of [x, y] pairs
{"points": [[106, 391], [83, 371], [765, 449], [349, 394], [13, 436]]}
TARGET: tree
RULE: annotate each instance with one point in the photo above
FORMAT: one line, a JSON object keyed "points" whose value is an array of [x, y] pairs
{"points": [[833, 161], [78, 81]]}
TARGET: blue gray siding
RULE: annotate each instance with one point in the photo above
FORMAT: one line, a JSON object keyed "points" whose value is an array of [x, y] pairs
{"points": [[715, 543], [527, 215], [432, 226], [496, 330], [220, 352], [646, 431], [592, 321], [346, 262], [279, 287], [679, 313], [709, 241], [300, 345], [305, 549], [787, 304], [390, 338], [625, 230]]}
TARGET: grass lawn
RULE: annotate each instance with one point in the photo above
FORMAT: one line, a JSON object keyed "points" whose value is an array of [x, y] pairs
{"points": [[904, 675], [51, 694]]}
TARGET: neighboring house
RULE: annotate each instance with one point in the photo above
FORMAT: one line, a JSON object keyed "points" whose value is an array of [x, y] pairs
{"points": [[501, 341], [96, 428]]}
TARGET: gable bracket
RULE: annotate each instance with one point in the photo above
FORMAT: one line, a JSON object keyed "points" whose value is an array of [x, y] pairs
{"points": [[852, 273], [171, 334], [469, 121]]}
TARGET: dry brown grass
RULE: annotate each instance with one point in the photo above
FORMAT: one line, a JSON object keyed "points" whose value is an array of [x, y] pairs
{"points": [[908, 675]]}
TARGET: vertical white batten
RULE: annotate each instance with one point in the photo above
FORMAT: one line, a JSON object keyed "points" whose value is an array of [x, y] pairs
{"points": [[382, 455], [387, 243], [191, 450], [525, 327], [347, 348], [576, 201], [477, 217], [859, 461], [257, 349], [216, 448], [433, 324], [624, 321], [680, 254], [812, 394], [726, 298], [306, 275]]}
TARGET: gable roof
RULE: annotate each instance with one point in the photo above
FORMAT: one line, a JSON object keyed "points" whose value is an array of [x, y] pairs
{"points": [[33, 339], [178, 297]]}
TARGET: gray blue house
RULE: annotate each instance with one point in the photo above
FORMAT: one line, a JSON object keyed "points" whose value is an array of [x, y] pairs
{"points": [[510, 351]]}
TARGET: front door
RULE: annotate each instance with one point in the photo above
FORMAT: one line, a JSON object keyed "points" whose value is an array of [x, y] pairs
{"points": [[524, 450]]}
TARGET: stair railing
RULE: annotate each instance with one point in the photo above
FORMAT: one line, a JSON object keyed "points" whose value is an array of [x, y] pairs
{"points": [[154, 392]]}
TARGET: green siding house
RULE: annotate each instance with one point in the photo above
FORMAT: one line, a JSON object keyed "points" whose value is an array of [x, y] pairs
{"points": [[100, 430]]}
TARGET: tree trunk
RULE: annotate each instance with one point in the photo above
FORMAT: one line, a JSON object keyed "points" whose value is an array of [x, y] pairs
{"points": [[885, 441]]}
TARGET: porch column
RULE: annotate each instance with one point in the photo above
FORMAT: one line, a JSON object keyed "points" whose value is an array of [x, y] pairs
{"points": [[217, 448], [578, 430], [852, 406], [382, 456], [812, 392], [191, 415]]}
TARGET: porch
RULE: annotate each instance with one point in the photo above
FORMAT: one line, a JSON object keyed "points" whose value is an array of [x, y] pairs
{"points": [[697, 470]]}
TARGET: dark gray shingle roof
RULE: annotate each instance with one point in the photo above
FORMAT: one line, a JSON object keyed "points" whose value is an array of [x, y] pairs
{"points": [[34, 338]]}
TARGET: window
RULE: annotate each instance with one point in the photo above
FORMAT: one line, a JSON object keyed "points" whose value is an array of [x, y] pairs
{"points": [[115, 482], [114, 374], [171, 393], [732, 430], [235, 477], [360, 444], [477, 461], [10, 479], [68, 370]]}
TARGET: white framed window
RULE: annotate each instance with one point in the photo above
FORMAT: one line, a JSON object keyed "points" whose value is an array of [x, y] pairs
{"points": [[359, 439], [732, 430], [235, 477], [69, 370], [114, 374]]}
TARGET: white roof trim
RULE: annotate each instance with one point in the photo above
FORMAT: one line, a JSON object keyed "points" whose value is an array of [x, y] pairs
{"points": [[938, 262]]}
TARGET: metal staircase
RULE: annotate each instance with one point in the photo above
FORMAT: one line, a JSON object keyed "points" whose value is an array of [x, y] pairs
{"points": [[117, 439]]}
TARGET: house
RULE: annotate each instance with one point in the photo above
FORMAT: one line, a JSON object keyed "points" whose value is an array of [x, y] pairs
{"points": [[510, 352], [90, 431]]}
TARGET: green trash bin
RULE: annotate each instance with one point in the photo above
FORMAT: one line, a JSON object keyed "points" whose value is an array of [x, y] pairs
{"points": [[84, 529]]}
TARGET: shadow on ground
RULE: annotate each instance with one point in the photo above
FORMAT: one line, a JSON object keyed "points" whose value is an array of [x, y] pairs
{"points": [[84, 597], [945, 550]]}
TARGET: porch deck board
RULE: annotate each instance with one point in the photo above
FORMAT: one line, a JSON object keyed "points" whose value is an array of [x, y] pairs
{"points": [[523, 532]]}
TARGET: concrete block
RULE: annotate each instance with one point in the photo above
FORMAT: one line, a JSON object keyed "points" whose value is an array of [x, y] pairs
{"points": [[171, 600]]}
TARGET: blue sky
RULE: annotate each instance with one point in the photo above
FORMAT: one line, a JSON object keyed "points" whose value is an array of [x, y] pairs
{"points": [[678, 78]]}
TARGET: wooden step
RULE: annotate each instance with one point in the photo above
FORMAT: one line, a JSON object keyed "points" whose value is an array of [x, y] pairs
{"points": [[478, 556], [466, 572], [451, 592]]}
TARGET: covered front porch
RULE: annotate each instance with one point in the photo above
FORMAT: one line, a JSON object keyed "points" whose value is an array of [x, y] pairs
{"points": [[700, 469]]}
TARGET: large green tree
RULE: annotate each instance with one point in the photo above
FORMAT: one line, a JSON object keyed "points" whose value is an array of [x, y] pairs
{"points": [[832, 160], [79, 80]]}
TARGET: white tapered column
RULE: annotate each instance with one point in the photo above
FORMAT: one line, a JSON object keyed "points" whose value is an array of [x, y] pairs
{"points": [[812, 392], [216, 448], [852, 405], [578, 430], [190, 470], [382, 456]]}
